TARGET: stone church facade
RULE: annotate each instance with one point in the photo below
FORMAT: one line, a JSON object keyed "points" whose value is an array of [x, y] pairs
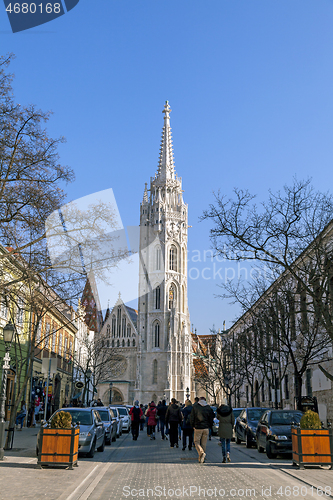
{"points": [[158, 352]]}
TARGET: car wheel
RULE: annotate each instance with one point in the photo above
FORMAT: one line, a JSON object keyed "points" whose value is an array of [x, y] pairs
{"points": [[248, 441], [238, 441], [102, 447], [259, 448], [269, 452], [92, 450]]}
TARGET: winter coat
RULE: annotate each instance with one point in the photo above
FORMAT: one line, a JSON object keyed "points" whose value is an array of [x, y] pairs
{"points": [[161, 412], [226, 421], [186, 412], [202, 416], [151, 414], [136, 413], [173, 414]]}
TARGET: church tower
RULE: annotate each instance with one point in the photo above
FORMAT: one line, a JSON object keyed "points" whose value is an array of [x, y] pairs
{"points": [[164, 352]]}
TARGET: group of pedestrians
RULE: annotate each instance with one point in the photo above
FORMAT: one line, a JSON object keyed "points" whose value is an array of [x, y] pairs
{"points": [[195, 421]]}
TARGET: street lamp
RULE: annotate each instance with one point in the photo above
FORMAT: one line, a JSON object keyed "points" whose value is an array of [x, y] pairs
{"points": [[88, 376], [8, 335], [275, 367], [187, 393], [110, 393]]}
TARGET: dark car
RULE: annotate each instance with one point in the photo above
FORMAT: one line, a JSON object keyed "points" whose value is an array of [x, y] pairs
{"points": [[274, 431], [236, 412], [110, 423], [92, 432], [246, 425]]}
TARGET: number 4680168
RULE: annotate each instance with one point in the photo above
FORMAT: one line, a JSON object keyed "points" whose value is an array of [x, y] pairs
{"points": [[32, 8]]}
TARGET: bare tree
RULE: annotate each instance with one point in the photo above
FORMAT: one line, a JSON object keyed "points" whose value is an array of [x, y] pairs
{"points": [[289, 235]]}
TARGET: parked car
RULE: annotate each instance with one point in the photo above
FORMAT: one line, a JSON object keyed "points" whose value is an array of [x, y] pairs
{"points": [[92, 432], [246, 425], [125, 417], [273, 433], [110, 423], [236, 412], [119, 421]]}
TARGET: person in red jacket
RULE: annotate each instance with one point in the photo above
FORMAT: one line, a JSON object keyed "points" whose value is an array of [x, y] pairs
{"points": [[136, 415], [151, 414]]}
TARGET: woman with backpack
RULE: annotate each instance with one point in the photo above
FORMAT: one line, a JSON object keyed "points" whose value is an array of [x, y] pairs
{"points": [[186, 426]]}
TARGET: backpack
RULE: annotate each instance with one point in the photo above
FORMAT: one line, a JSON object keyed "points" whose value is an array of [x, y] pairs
{"points": [[136, 414]]}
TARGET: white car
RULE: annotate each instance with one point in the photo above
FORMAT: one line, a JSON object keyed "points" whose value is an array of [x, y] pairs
{"points": [[125, 417], [119, 421]]}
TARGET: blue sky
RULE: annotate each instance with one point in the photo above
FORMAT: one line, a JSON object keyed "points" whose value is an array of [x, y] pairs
{"points": [[249, 83]]}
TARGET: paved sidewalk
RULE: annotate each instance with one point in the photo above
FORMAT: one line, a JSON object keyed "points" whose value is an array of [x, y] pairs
{"points": [[144, 468]]}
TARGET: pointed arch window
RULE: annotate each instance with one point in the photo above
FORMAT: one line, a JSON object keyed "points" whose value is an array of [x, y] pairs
{"points": [[157, 297], [133, 343], [155, 371], [118, 343], [128, 343], [156, 334], [128, 330], [113, 326], [123, 327], [112, 343], [123, 343], [158, 259], [172, 297], [173, 258], [118, 321]]}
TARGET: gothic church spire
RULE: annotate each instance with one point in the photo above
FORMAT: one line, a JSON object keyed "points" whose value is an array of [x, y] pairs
{"points": [[166, 166]]}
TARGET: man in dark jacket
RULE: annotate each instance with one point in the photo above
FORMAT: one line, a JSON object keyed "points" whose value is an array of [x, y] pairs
{"points": [[136, 415], [161, 412], [173, 418], [187, 429], [201, 419]]}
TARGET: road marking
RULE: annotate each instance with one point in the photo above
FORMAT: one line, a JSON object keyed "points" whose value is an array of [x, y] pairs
{"points": [[82, 482]]}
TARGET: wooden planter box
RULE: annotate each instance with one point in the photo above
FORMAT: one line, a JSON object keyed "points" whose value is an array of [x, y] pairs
{"points": [[312, 446], [58, 446]]}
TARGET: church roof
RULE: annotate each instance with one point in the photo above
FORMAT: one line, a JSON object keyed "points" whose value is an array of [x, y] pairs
{"points": [[133, 314]]}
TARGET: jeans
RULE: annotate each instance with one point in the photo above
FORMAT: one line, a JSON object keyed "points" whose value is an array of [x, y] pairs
{"points": [[142, 424], [224, 442], [20, 419], [189, 433], [151, 430], [162, 424]]}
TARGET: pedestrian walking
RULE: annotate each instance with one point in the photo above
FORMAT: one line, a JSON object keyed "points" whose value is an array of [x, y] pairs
{"points": [[186, 425], [161, 412], [173, 418], [201, 418], [151, 414], [226, 424], [143, 418], [136, 415], [158, 420], [21, 416]]}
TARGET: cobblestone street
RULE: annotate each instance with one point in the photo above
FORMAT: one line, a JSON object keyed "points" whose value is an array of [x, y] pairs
{"points": [[151, 469]]}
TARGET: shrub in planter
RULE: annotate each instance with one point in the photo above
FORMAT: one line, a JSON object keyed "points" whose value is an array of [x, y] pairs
{"points": [[310, 420], [61, 420], [58, 444]]}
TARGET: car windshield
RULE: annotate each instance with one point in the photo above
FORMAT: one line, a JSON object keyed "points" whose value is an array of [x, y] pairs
{"points": [[84, 417], [122, 411], [236, 413], [285, 418], [105, 416], [255, 414]]}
